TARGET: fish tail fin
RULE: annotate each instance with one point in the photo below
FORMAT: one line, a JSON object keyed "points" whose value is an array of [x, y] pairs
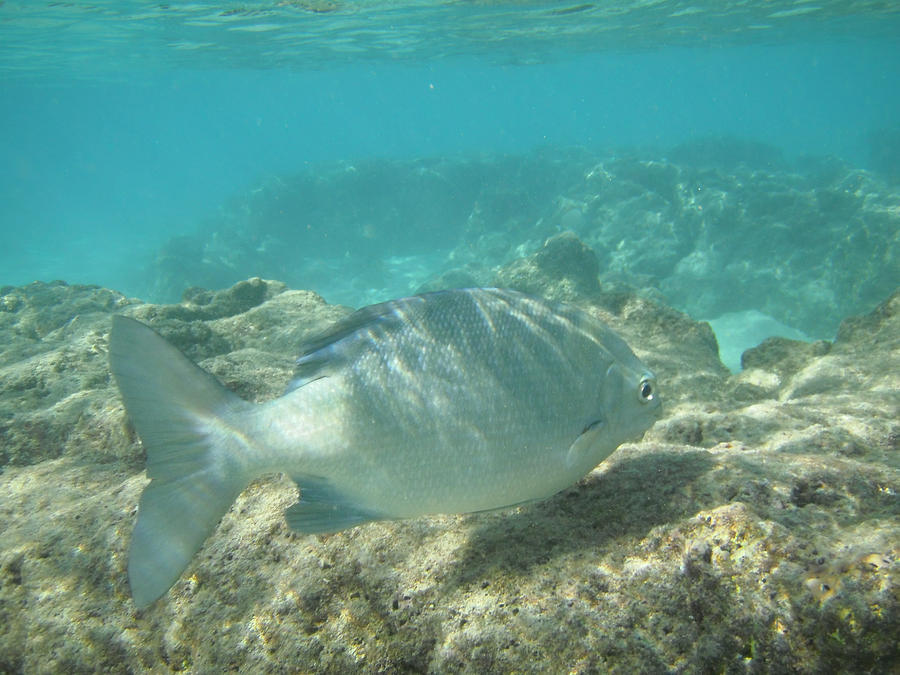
{"points": [[196, 454]]}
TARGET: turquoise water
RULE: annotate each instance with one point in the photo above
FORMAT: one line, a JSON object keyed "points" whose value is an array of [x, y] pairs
{"points": [[127, 124]]}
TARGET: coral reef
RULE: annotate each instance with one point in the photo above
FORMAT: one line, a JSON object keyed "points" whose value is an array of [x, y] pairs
{"points": [[754, 528]]}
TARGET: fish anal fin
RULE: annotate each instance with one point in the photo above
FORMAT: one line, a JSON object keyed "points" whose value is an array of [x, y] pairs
{"points": [[322, 509]]}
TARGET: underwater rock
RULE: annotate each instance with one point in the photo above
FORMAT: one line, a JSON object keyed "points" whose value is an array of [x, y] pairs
{"points": [[877, 329], [718, 225], [456, 278], [356, 215], [783, 356], [750, 532], [564, 268], [53, 371]]}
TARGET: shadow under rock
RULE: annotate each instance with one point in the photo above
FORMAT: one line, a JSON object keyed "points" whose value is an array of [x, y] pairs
{"points": [[628, 500]]}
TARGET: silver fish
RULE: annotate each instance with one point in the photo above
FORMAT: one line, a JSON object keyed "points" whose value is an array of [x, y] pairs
{"points": [[447, 402]]}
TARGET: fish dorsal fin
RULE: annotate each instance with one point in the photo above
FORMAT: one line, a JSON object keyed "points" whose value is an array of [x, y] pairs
{"points": [[328, 351]]}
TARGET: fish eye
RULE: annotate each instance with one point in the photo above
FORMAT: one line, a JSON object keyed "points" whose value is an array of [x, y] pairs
{"points": [[646, 390]]}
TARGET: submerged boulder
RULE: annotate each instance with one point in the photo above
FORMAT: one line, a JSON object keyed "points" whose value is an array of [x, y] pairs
{"points": [[564, 268]]}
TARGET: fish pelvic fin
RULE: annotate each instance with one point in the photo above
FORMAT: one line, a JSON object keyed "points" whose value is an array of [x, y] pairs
{"points": [[196, 454]]}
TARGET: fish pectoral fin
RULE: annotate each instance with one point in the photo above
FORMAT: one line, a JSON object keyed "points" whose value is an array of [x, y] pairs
{"points": [[322, 509], [584, 442]]}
